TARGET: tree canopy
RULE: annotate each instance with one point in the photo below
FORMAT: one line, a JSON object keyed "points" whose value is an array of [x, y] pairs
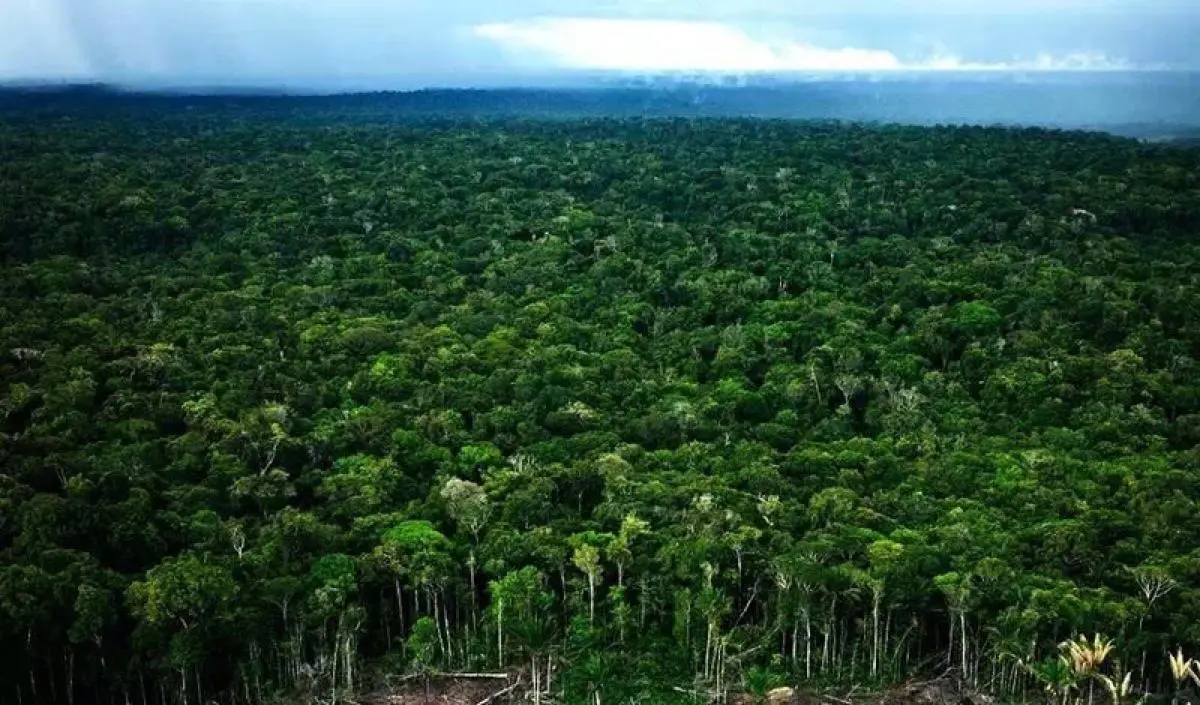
{"points": [[289, 400]]}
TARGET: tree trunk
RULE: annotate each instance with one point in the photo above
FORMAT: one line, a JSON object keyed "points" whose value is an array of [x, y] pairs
{"points": [[474, 592], [962, 624], [437, 622], [500, 633], [537, 687], [349, 666], [720, 668], [950, 646], [876, 599], [642, 599], [333, 664], [1142, 666], [591, 600], [446, 626], [807, 643], [887, 636], [825, 649], [707, 648]]}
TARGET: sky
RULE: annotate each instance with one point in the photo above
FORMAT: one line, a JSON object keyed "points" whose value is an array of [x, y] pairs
{"points": [[415, 43]]}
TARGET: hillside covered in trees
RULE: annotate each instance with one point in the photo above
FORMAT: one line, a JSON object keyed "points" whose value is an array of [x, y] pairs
{"points": [[291, 402]]}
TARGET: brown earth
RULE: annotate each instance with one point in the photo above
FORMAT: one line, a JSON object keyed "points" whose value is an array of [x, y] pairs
{"points": [[441, 691], [457, 691]]}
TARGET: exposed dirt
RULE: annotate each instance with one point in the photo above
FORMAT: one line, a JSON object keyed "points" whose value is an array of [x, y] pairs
{"points": [[451, 691], [933, 692], [443, 691], [936, 692]]}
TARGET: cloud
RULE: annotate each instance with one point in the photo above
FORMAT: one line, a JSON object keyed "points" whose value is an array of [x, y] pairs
{"points": [[1075, 61], [414, 43], [644, 45], [683, 45]]}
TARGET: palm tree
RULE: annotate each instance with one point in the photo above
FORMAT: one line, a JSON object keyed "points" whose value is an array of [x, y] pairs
{"points": [[1182, 669]]}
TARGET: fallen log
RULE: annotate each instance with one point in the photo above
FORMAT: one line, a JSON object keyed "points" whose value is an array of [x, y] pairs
{"points": [[499, 693]]}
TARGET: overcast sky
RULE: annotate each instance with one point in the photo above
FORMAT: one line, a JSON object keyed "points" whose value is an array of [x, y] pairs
{"points": [[406, 43]]}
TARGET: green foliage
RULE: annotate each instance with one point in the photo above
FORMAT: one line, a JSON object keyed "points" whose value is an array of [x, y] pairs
{"points": [[422, 646], [290, 390], [760, 681], [333, 581], [976, 318], [183, 592]]}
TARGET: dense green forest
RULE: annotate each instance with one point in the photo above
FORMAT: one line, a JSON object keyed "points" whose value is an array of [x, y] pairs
{"points": [[291, 403], [1161, 106]]}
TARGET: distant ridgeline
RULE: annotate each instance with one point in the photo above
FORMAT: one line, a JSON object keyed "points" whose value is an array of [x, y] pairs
{"points": [[306, 397], [1162, 106]]}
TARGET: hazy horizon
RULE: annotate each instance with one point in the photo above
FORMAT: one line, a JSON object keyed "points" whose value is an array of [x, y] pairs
{"points": [[330, 45]]}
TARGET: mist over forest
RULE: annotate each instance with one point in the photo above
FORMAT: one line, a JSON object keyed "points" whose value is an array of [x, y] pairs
{"points": [[1157, 105]]}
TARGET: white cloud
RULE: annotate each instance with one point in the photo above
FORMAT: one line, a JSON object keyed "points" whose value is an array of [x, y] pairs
{"points": [[680, 45], [1080, 61], [641, 45]]}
